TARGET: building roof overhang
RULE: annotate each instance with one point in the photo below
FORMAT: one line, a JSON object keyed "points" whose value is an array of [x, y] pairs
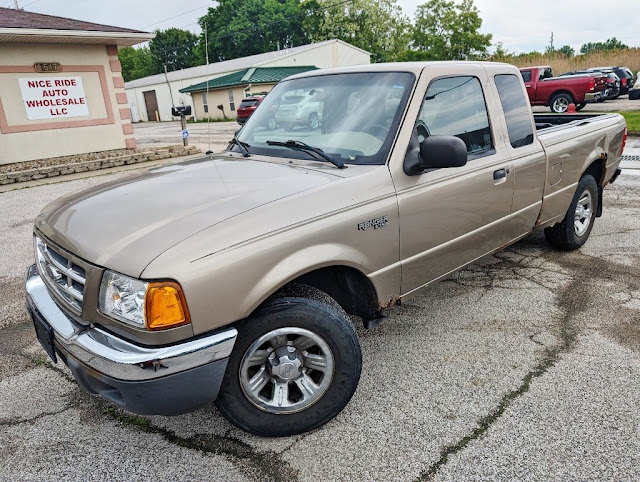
{"points": [[52, 36]]}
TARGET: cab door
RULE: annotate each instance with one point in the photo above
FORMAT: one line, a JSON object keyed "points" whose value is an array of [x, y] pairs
{"points": [[452, 216]]}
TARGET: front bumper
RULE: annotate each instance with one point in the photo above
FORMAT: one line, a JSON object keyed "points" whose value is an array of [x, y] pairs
{"points": [[147, 380]]}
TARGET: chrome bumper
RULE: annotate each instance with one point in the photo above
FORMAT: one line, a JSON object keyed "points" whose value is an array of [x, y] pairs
{"points": [[117, 358]]}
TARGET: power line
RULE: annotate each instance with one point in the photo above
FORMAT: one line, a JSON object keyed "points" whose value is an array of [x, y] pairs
{"points": [[28, 4], [175, 16]]}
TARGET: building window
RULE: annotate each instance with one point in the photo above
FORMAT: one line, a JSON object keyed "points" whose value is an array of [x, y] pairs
{"points": [[205, 104], [232, 104]]}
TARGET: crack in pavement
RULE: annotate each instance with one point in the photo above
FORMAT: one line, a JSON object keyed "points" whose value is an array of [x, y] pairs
{"points": [[16, 421], [571, 304], [268, 465]]}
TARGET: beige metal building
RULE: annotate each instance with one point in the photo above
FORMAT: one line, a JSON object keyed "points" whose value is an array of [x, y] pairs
{"points": [[61, 86], [150, 98]]}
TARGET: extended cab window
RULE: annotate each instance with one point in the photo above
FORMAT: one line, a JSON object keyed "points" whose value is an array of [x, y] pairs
{"points": [[516, 110], [455, 106]]}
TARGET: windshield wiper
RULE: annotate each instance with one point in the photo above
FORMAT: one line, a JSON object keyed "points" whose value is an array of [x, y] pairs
{"points": [[242, 145], [301, 146]]}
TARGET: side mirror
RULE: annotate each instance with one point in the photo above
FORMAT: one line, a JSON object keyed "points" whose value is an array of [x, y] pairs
{"points": [[442, 151]]}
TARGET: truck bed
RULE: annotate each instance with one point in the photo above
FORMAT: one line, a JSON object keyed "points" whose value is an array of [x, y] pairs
{"points": [[547, 121]]}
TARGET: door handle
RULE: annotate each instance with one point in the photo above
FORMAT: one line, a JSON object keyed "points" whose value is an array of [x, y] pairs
{"points": [[500, 174]]}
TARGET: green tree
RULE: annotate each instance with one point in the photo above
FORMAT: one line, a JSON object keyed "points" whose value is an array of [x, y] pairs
{"points": [[566, 51], [445, 30], [611, 44], [237, 28], [501, 54], [136, 63], [377, 26], [174, 48]]}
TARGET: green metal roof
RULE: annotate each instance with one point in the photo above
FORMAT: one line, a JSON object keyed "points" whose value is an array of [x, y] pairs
{"points": [[253, 75]]}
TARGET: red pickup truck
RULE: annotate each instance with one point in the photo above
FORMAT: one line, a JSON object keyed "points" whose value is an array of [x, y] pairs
{"points": [[559, 92]]}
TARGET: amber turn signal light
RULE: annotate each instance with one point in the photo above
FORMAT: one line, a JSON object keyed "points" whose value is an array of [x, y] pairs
{"points": [[165, 306]]}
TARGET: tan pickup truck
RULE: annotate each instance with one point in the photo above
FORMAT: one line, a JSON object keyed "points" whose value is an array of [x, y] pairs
{"points": [[229, 277]]}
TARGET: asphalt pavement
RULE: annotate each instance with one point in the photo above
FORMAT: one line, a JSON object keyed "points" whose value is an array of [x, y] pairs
{"points": [[525, 366]]}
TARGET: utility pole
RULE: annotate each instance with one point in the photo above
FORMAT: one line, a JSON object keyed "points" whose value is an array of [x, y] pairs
{"points": [[166, 77], [551, 49]]}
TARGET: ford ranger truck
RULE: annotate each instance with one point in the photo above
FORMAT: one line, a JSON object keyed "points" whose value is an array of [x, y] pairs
{"points": [[558, 92], [231, 277]]}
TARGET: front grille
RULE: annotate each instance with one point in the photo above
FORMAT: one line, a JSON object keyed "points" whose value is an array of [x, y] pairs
{"points": [[61, 274]]}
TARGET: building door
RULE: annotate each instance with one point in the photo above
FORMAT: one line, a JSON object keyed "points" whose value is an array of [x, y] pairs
{"points": [[151, 102]]}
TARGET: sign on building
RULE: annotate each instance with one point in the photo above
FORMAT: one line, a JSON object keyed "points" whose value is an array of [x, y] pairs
{"points": [[53, 97]]}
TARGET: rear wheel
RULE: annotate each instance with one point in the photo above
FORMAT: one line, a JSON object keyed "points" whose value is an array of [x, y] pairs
{"points": [[576, 226], [296, 364], [560, 103]]}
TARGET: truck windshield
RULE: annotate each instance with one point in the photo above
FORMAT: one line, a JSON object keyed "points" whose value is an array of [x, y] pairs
{"points": [[352, 117]]}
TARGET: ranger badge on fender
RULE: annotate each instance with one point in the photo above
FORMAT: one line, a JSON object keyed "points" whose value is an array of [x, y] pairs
{"points": [[376, 223]]}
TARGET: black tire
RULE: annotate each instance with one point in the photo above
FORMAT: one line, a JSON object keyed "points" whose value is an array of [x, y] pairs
{"points": [[576, 226], [581, 106], [259, 410], [314, 122], [560, 103]]}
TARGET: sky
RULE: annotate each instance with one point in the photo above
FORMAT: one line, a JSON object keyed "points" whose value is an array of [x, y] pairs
{"points": [[520, 26]]}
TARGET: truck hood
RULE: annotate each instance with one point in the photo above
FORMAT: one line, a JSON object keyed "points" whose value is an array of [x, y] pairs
{"points": [[125, 224]]}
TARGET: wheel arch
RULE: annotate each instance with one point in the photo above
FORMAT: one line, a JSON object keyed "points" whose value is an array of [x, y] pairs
{"points": [[597, 169], [348, 286], [351, 289]]}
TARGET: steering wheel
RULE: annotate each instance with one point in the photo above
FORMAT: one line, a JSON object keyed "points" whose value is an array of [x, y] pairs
{"points": [[377, 130], [422, 130]]}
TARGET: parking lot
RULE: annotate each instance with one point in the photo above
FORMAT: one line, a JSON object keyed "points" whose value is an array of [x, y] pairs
{"points": [[523, 366]]}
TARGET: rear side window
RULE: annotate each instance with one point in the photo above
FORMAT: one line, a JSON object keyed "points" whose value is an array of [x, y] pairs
{"points": [[455, 106], [516, 110]]}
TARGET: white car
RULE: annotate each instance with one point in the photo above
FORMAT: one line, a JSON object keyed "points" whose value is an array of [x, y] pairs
{"points": [[304, 109]]}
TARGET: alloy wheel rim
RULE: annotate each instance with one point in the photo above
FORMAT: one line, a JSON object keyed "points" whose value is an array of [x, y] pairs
{"points": [[561, 105], [286, 370], [583, 213]]}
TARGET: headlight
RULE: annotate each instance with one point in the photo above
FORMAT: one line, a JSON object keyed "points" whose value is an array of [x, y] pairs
{"points": [[143, 304]]}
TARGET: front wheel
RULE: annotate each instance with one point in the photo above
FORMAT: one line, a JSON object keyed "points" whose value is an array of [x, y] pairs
{"points": [[576, 226], [295, 366], [560, 103]]}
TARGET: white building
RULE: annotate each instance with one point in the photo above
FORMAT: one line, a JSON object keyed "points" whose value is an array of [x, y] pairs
{"points": [[150, 98]]}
